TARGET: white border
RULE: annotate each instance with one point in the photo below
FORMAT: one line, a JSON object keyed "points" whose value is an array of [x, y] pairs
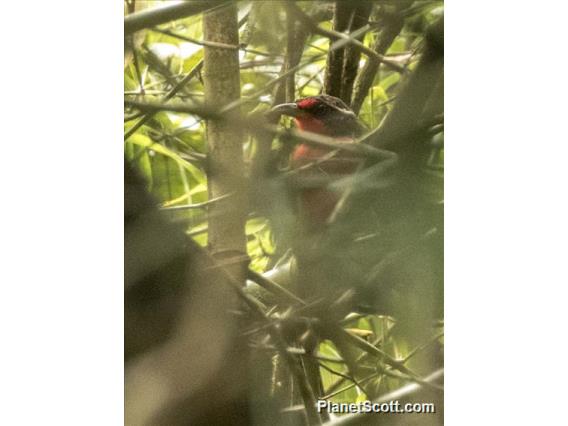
{"points": [[61, 225], [61, 228]]}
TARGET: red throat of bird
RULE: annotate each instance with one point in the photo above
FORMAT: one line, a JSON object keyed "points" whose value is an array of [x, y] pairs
{"points": [[317, 204], [310, 124]]}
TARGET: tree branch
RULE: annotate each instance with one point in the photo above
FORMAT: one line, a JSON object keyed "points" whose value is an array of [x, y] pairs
{"points": [[257, 124], [152, 17], [364, 81], [359, 19], [402, 393], [334, 35], [283, 91], [179, 86], [333, 72], [225, 171]]}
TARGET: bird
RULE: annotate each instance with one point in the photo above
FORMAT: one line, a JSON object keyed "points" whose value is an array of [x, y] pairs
{"points": [[315, 168], [328, 116]]}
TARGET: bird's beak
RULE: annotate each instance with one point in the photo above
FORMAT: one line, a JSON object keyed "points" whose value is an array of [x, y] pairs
{"points": [[290, 109]]}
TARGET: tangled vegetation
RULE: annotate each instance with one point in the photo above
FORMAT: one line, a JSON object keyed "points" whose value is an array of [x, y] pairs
{"points": [[238, 311]]}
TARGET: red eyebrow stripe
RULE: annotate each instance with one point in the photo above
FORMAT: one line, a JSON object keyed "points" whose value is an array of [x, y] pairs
{"points": [[307, 103]]}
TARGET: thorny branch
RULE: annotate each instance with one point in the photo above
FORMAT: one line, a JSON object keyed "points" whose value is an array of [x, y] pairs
{"points": [[180, 86], [274, 331], [256, 124], [283, 91], [334, 35], [149, 18], [392, 26], [404, 392]]}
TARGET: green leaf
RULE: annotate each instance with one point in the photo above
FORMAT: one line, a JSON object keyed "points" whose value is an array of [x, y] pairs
{"points": [[144, 141]]}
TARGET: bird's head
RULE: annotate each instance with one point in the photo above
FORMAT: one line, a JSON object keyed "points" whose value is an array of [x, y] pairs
{"points": [[328, 116], [323, 114]]}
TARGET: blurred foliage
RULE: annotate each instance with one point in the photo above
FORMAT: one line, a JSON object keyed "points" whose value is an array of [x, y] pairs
{"points": [[170, 150]]}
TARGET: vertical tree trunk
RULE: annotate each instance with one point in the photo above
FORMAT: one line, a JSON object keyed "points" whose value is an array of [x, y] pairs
{"points": [[224, 143], [359, 18], [334, 70], [226, 234]]}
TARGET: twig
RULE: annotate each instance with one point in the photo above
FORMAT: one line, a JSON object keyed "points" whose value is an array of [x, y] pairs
{"points": [[386, 358], [270, 84], [212, 43], [274, 330], [192, 73], [158, 66], [309, 80], [283, 92], [358, 361], [334, 35], [149, 18], [346, 388], [168, 96], [345, 376], [364, 80], [273, 287], [403, 392], [137, 68], [257, 124], [423, 346], [202, 205]]}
